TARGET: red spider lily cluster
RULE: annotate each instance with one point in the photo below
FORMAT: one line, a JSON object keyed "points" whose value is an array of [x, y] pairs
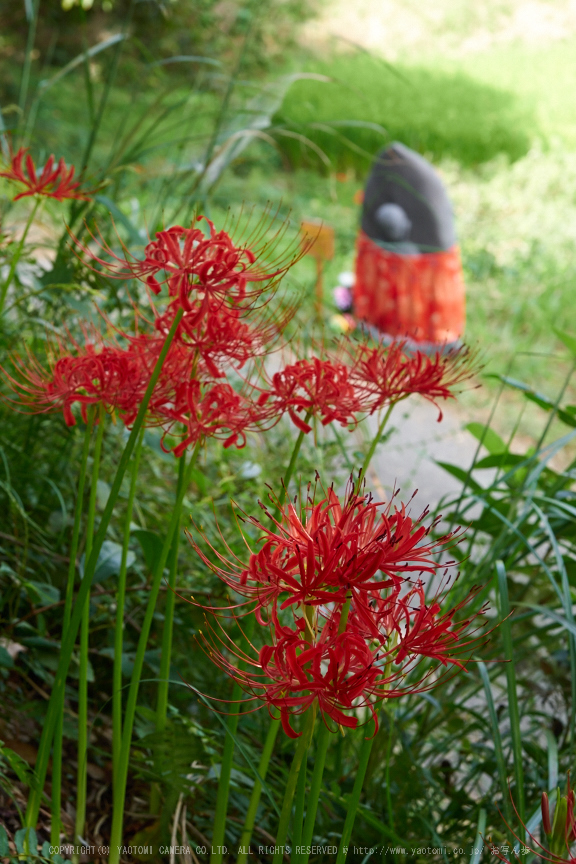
{"points": [[338, 589], [54, 181], [220, 291], [90, 374], [192, 400], [201, 272], [384, 375], [358, 379], [315, 388]]}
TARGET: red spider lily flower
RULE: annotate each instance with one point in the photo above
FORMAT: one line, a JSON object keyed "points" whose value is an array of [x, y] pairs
{"points": [[53, 182], [345, 627], [208, 411], [330, 552], [335, 673], [423, 630], [293, 673], [560, 832], [385, 375], [319, 388], [197, 269], [341, 672], [95, 373], [222, 336]]}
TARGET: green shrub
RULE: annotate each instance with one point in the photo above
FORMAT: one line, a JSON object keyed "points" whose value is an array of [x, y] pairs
{"points": [[367, 103]]}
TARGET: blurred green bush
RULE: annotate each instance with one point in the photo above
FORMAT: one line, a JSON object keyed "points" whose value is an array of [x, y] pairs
{"points": [[161, 30], [365, 102]]}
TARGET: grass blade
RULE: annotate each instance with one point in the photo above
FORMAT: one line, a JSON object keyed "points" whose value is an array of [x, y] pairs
{"points": [[479, 839], [500, 761], [513, 711]]}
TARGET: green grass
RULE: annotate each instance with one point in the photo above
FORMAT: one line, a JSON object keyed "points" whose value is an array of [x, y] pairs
{"points": [[366, 103], [542, 75]]}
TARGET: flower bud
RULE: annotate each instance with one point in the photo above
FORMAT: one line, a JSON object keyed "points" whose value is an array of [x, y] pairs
{"points": [[546, 824]]}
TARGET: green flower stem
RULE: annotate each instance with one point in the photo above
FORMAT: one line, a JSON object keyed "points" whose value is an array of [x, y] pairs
{"points": [[56, 796], [57, 697], [224, 778], [17, 255], [292, 463], [373, 445], [303, 835], [299, 805], [122, 774], [257, 790], [166, 653], [354, 799], [387, 772], [119, 628], [169, 614], [299, 755], [227, 762], [363, 762], [324, 736], [82, 776]]}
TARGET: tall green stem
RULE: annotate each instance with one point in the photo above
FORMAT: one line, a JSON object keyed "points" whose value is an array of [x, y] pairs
{"points": [[17, 255], [299, 806], [69, 638], [165, 657], [227, 762], [169, 616], [363, 762], [299, 755], [257, 790], [119, 627], [354, 799], [319, 762], [373, 445], [324, 736], [122, 774], [291, 465], [56, 796], [219, 831], [82, 776], [28, 60]]}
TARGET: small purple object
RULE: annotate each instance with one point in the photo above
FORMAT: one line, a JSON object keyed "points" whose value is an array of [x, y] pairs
{"points": [[343, 298]]}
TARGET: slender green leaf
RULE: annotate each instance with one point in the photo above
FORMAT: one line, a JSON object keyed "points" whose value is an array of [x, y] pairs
{"points": [[568, 340], [490, 439], [186, 58], [4, 847], [552, 759], [479, 839], [235, 136], [506, 631], [151, 545], [500, 460], [500, 761], [47, 83], [461, 475]]}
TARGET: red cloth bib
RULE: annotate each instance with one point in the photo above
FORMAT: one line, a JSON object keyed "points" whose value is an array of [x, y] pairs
{"points": [[419, 296]]}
